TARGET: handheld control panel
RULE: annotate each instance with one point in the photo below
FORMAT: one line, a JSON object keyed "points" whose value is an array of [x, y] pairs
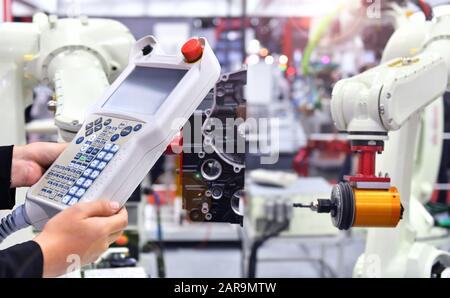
{"points": [[128, 129]]}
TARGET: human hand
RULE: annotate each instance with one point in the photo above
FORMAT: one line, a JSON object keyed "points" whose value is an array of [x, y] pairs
{"points": [[85, 230], [30, 161]]}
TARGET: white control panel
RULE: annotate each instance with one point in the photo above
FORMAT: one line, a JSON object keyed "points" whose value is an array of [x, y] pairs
{"points": [[127, 130]]}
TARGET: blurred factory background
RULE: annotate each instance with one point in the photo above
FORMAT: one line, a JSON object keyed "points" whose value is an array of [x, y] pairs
{"points": [[293, 52]]}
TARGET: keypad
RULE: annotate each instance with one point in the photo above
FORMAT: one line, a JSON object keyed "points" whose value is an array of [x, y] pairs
{"points": [[97, 147]]}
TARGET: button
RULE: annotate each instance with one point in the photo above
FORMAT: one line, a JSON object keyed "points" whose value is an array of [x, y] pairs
{"points": [[101, 155], [80, 192], [101, 166], [89, 125], [98, 121], [126, 131], [114, 148], [77, 156], [73, 201], [89, 158], [94, 174], [73, 190], [84, 148], [66, 199], [95, 151], [108, 147], [89, 150], [107, 122], [95, 163], [137, 127], [87, 172], [92, 138], [87, 183], [80, 181], [192, 50], [79, 140], [108, 157], [114, 138], [89, 131], [98, 127], [83, 158]]}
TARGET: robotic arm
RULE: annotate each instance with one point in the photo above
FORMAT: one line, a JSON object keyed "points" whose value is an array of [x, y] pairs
{"points": [[78, 58], [370, 105]]}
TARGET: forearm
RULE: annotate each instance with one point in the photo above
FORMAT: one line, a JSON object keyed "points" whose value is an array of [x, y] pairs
{"points": [[7, 194], [22, 260]]}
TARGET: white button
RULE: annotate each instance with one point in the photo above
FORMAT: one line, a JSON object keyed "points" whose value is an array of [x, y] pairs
{"points": [[87, 183], [87, 172], [101, 155], [84, 148], [108, 157], [94, 164], [66, 199], [94, 174], [108, 146], [73, 190], [80, 181], [101, 166], [73, 201], [115, 148], [80, 192], [91, 137]]}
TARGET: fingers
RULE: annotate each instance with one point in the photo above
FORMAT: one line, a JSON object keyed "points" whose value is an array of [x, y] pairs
{"points": [[24, 173], [114, 223], [44, 153], [114, 236], [100, 208]]}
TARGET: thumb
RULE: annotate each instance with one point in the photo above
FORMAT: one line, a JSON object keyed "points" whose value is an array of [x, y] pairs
{"points": [[100, 208]]}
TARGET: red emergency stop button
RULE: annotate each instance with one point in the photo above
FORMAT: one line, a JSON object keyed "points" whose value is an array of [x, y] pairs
{"points": [[192, 50]]}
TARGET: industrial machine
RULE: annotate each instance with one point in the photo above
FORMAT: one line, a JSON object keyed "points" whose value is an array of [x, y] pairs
{"points": [[213, 158], [391, 97], [125, 132], [77, 57]]}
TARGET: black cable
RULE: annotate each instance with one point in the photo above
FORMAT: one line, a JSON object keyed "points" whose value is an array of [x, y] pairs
{"points": [[267, 234]]}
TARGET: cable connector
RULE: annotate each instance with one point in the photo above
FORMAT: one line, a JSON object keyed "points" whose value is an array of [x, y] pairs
{"points": [[13, 222]]}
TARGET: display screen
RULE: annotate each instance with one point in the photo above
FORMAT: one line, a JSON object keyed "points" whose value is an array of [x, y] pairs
{"points": [[144, 90]]}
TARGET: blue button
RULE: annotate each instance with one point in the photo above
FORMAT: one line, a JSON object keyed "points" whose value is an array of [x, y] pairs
{"points": [[80, 192], [89, 158], [114, 148], [87, 172], [79, 140], [73, 190], [80, 181], [89, 150], [115, 137], [108, 157], [66, 199], [73, 201], [94, 174], [87, 183], [101, 155], [137, 127], [126, 131], [95, 151], [101, 165], [94, 164], [78, 155]]}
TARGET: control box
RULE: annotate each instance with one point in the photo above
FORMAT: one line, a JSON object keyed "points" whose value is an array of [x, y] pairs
{"points": [[127, 130]]}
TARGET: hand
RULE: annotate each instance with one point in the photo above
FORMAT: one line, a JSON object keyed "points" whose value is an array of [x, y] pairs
{"points": [[30, 162], [85, 230]]}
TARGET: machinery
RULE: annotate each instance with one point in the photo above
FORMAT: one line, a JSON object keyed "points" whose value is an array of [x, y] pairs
{"points": [[77, 58], [213, 164], [391, 97], [125, 132]]}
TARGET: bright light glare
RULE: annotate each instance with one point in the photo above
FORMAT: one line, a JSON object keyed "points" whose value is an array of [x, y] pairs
{"points": [[283, 59], [253, 59], [269, 60], [253, 46]]}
